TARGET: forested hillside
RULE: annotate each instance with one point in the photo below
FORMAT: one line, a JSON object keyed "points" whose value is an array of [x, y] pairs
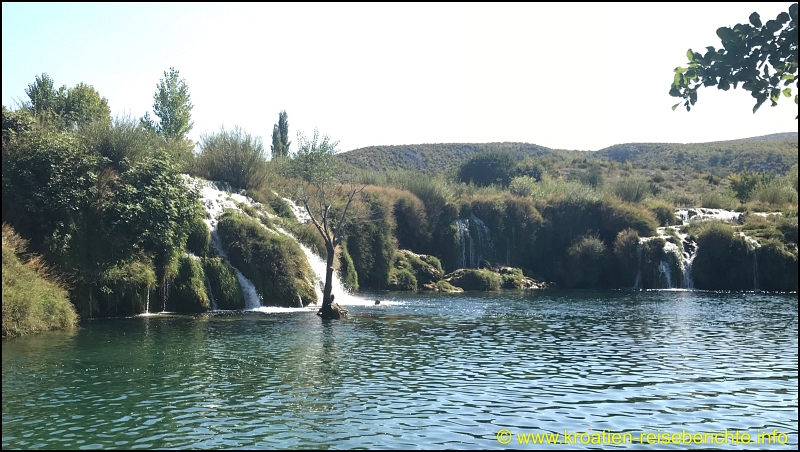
{"points": [[771, 153]]}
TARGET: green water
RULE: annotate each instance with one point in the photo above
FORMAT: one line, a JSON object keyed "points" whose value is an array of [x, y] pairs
{"points": [[417, 371]]}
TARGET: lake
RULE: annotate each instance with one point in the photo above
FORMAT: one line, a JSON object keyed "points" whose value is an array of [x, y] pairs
{"points": [[592, 369]]}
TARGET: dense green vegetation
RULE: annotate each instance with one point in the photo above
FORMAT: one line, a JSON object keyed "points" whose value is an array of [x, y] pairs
{"points": [[104, 203], [273, 262], [34, 298]]}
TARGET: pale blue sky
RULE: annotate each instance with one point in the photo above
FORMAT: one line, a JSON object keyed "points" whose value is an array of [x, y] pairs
{"points": [[574, 76]]}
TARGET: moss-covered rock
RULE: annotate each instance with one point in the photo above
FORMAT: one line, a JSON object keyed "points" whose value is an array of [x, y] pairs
{"points": [[223, 283], [401, 279], [188, 292], [273, 262], [425, 269], [475, 279], [199, 237]]}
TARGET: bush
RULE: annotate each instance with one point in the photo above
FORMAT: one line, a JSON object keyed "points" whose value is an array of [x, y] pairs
{"points": [[631, 189], [776, 267], [123, 288], [777, 193], [488, 168], [33, 299], [188, 292], [626, 251], [586, 256], [474, 279], [223, 283], [723, 260], [233, 156], [717, 200], [664, 211], [788, 226], [402, 280]]}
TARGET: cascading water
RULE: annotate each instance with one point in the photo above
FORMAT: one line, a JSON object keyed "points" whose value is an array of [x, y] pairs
{"points": [[463, 237], [147, 301], [475, 241], [485, 248], [666, 276]]}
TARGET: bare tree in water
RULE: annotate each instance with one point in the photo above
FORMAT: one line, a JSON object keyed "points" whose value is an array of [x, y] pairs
{"points": [[328, 200]]}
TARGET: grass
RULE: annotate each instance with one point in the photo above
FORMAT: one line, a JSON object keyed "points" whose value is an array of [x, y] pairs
{"points": [[34, 300]]}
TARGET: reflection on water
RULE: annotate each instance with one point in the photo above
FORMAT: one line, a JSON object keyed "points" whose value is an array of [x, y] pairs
{"points": [[416, 371]]}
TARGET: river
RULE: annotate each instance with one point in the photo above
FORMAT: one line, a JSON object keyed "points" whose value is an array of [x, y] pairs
{"points": [[418, 371]]}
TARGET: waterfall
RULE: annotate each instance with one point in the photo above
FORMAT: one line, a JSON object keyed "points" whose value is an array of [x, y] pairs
{"points": [[147, 301], [755, 271], [476, 242], [463, 237], [485, 246], [216, 201], [211, 295], [663, 268]]}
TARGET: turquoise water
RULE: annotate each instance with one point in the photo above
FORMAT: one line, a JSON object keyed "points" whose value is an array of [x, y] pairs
{"points": [[417, 371]]}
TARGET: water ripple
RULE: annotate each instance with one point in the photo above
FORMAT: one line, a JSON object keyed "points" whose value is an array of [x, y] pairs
{"points": [[416, 372]]}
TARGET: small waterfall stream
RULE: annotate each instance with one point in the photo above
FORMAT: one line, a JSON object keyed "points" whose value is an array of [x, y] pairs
{"points": [[476, 242]]}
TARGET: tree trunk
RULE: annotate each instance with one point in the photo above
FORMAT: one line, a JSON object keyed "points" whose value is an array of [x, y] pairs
{"points": [[326, 293], [330, 310]]}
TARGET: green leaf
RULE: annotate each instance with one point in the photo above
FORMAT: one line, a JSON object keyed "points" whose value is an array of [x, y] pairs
{"points": [[675, 106], [773, 26], [690, 55], [787, 92], [724, 85], [783, 18], [726, 34], [680, 70], [755, 19]]}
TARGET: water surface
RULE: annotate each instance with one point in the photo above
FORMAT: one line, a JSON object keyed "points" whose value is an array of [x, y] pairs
{"points": [[417, 371]]}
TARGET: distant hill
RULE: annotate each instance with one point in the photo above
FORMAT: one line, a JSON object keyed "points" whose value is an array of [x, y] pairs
{"points": [[775, 153], [436, 158]]}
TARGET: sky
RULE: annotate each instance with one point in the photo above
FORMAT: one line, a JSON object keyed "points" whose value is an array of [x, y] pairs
{"points": [[563, 75]]}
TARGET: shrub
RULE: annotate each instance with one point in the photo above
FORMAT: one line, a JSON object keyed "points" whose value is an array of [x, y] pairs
{"points": [[33, 299], [233, 156], [223, 283], [123, 288], [586, 256], [664, 211], [188, 292], [631, 189], [402, 280], [723, 260], [777, 193], [488, 168], [626, 251], [474, 279], [776, 267], [788, 226], [717, 200]]}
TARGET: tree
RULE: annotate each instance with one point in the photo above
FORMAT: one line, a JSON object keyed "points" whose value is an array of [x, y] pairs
{"points": [[280, 136], [487, 168], [173, 106], [762, 57], [327, 201], [68, 109]]}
